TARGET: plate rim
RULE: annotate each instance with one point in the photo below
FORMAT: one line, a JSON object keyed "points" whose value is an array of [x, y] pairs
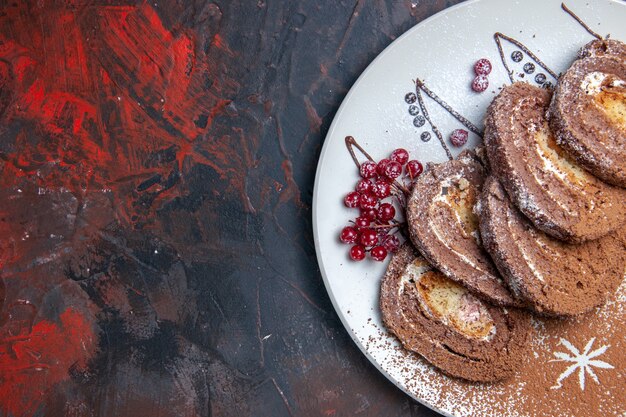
{"points": [[316, 191]]}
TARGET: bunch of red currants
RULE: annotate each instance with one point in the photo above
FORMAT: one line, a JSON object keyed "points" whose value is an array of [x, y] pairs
{"points": [[374, 230]]}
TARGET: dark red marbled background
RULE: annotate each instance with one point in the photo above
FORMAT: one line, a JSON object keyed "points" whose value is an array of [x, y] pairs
{"points": [[157, 163]]}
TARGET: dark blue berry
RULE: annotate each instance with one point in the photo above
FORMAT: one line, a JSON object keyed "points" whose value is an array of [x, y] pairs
{"points": [[540, 78], [548, 85], [529, 68], [419, 121], [410, 98], [413, 110], [517, 56], [425, 136]]}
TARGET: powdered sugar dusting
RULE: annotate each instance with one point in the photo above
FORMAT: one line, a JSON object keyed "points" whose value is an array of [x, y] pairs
{"points": [[530, 390]]}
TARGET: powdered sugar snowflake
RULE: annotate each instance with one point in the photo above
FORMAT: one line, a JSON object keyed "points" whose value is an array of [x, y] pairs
{"points": [[582, 361]]}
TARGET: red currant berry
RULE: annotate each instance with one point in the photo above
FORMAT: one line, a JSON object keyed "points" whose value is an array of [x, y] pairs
{"points": [[378, 253], [400, 156], [386, 212], [480, 83], [369, 214], [368, 237], [381, 188], [349, 234], [393, 170], [482, 67], [414, 169], [362, 222], [380, 168], [352, 200], [357, 253], [368, 169], [367, 201], [391, 243], [458, 137], [364, 186]]}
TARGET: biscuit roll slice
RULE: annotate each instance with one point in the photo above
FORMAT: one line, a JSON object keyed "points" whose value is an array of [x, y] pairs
{"points": [[554, 277], [451, 328], [444, 228], [588, 116], [557, 195]]}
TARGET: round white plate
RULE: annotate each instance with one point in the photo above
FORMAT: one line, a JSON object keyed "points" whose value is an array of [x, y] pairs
{"points": [[441, 51]]}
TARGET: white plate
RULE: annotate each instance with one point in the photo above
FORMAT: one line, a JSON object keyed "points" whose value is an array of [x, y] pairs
{"points": [[441, 51]]}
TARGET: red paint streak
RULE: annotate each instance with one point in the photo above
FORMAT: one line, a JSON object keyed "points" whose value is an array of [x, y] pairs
{"points": [[105, 98], [315, 121], [218, 41], [292, 191], [100, 99], [153, 68], [31, 364], [104, 90]]}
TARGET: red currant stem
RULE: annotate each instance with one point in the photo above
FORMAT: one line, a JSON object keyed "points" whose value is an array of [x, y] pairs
{"points": [[387, 226], [403, 231], [401, 198], [408, 185], [350, 144], [401, 227], [400, 187]]}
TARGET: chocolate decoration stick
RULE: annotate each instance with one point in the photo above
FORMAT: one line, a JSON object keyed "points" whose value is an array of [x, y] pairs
{"points": [[509, 72], [420, 84], [523, 47], [420, 99], [350, 142], [580, 21]]}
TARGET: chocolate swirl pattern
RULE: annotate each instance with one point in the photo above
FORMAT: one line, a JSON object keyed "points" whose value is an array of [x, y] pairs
{"points": [[588, 111], [554, 277], [440, 320], [444, 228], [548, 186]]}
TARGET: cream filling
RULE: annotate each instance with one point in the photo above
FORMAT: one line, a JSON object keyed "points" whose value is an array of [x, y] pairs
{"points": [[413, 272], [569, 174], [445, 200], [566, 169], [523, 252], [551, 161], [609, 96], [449, 302], [593, 82]]}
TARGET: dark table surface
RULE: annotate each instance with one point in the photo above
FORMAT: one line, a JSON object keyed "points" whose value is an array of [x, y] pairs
{"points": [[157, 164]]}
